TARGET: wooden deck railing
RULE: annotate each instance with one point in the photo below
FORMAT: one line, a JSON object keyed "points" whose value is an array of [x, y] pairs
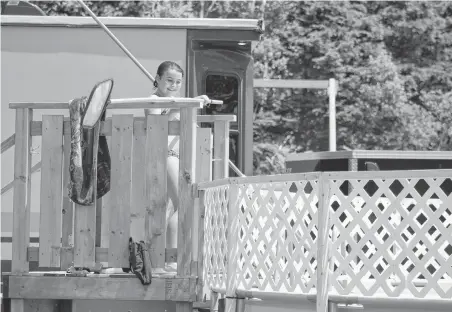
{"points": [[72, 234]]}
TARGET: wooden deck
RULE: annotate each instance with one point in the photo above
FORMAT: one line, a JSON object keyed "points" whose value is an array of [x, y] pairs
{"points": [[86, 236], [325, 240]]}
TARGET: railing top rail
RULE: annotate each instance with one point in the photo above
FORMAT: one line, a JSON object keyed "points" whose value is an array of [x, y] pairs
{"points": [[126, 103], [278, 178], [341, 175], [213, 118], [389, 174]]}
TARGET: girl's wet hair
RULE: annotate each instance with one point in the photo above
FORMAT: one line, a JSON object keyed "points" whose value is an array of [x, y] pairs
{"points": [[166, 66]]}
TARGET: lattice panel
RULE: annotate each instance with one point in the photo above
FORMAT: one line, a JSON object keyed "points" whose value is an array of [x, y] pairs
{"points": [[215, 238], [277, 236], [394, 236]]}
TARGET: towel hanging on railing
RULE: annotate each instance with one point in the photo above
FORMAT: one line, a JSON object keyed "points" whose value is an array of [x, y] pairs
{"points": [[83, 167]]}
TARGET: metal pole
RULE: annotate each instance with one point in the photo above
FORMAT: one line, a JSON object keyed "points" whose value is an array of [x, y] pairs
{"points": [[332, 90], [112, 36], [116, 40]]}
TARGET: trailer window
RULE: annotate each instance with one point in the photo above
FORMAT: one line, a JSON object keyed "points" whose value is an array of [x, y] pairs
{"points": [[226, 89]]}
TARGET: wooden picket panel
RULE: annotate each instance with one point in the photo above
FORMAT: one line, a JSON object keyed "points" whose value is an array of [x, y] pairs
{"points": [[121, 184], [51, 191], [156, 185]]}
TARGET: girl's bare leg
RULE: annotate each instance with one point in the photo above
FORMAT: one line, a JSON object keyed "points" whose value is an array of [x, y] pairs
{"points": [[173, 192]]}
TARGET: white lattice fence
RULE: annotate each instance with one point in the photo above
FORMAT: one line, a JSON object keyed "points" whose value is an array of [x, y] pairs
{"points": [[277, 236], [216, 200], [393, 234]]}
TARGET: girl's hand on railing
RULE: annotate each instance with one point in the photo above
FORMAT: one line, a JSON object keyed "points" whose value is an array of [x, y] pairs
{"points": [[205, 98]]}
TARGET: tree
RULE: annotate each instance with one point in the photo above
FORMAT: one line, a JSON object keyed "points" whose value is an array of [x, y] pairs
{"points": [[171, 9]]}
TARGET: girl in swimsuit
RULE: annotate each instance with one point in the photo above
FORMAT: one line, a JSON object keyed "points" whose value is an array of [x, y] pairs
{"points": [[168, 83]]}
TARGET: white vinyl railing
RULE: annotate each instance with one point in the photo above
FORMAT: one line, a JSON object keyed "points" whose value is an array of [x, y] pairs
{"points": [[386, 234]]}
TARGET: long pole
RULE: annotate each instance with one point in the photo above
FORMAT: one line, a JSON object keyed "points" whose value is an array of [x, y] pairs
{"points": [[130, 55], [113, 37]]}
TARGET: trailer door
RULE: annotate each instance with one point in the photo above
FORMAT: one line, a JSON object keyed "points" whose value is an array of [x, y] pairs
{"points": [[223, 70]]}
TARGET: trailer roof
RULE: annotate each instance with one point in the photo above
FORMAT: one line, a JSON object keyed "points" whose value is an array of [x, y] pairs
{"points": [[138, 22]]}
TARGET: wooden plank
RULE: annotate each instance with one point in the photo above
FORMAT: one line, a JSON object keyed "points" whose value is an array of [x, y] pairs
{"points": [[18, 305], [99, 222], [121, 185], [44, 305], [22, 191], [184, 307], [204, 155], [139, 201], [187, 176], [101, 254], [51, 191], [214, 301], [8, 143], [156, 186], [221, 149], [67, 235], [204, 173], [85, 223], [139, 125], [66, 306], [127, 103], [292, 83], [117, 288], [84, 235], [213, 118], [106, 207]]}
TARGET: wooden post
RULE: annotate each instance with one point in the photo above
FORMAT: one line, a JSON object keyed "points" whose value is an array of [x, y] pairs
{"points": [[221, 149], [204, 174], [22, 191], [187, 176], [105, 214], [213, 301], [21, 198], [240, 305], [51, 191], [67, 240], [323, 244]]}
